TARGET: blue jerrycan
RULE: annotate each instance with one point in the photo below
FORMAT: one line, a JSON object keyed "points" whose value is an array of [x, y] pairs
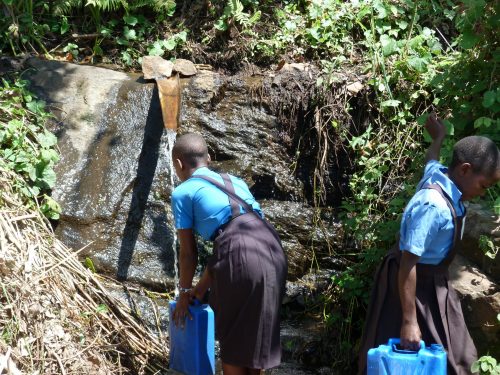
{"points": [[388, 359], [192, 348]]}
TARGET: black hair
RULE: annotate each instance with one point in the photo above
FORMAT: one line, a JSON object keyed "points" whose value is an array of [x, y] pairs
{"points": [[192, 149], [480, 152]]}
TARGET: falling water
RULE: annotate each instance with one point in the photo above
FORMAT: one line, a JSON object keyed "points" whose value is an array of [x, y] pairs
{"points": [[171, 134]]}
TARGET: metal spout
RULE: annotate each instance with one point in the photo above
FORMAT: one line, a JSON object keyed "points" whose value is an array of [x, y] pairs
{"points": [[169, 89]]}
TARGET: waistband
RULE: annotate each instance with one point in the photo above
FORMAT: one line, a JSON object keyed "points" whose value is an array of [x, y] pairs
{"points": [[423, 270]]}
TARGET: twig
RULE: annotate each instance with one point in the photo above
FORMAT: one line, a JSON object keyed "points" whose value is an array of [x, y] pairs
{"points": [[5, 359]]}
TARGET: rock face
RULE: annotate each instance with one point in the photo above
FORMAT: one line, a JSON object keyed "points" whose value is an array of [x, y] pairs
{"points": [[114, 179], [480, 298], [481, 221], [475, 278], [114, 176]]}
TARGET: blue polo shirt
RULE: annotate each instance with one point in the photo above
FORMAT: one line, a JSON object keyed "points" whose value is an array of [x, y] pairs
{"points": [[199, 205], [427, 226]]}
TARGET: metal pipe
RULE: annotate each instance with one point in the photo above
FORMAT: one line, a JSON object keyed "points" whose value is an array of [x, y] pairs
{"points": [[169, 89]]}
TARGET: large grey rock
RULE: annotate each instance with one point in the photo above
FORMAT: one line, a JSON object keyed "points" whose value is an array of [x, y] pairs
{"points": [[480, 298], [481, 221], [114, 178]]}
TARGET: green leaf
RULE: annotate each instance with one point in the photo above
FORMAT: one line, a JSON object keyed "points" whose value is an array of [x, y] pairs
{"points": [[402, 24], [380, 9], [418, 64], [32, 173], [489, 98], [89, 264], [46, 177], [156, 49], [475, 367], [36, 106], [101, 308], [170, 44], [130, 20], [122, 41], [483, 122], [129, 34], [221, 24], [390, 103], [64, 25], [469, 39], [127, 58], [182, 35], [485, 366], [389, 45], [48, 156], [47, 139], [50, 208]]}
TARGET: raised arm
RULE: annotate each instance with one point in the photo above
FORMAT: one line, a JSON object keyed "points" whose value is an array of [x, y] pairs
{"points": [[437, 131]]}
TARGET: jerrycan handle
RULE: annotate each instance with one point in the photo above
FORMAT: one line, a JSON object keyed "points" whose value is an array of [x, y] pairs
{"points": [[394, 342], [196, 302]]}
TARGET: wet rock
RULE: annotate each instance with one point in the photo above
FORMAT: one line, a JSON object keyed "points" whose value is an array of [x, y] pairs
{"points": [[306, 289], [185, 67], [481, 220], [480, 298], [114, 178], [155, 67]]}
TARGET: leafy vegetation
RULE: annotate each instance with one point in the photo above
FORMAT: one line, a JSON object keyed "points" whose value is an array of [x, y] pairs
{"points": [[411, 56], [26, 147], [486, 365]]}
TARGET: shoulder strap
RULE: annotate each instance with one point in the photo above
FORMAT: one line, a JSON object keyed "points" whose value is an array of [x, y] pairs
{"points": [[456, 223], [231, 193]]}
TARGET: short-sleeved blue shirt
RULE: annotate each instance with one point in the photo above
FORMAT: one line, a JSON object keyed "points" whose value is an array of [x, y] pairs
{"points": [[427, 226], [199, 205]]}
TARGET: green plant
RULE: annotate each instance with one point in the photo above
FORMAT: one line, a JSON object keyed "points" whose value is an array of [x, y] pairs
{"points": [[486, 365], [233, 14], [26, 147], [488, 247]]}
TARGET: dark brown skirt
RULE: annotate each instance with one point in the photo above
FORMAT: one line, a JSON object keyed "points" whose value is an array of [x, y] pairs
{"points": [[249, 271], [439, 314]]}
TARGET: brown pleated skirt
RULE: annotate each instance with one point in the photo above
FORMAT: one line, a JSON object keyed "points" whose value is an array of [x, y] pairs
{"points": [[249, 270], [439, 314]]}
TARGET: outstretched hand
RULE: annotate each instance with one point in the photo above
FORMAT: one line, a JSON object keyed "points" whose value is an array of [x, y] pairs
{"points": [[435, 127]]}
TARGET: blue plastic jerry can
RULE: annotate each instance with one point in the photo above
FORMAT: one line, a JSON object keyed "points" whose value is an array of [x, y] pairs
{"points": [[192, 348], [388, 359]]}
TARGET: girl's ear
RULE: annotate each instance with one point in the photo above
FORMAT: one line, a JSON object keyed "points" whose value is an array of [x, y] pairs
{"points": [[178, 164], [464, 168], [209, 159]]}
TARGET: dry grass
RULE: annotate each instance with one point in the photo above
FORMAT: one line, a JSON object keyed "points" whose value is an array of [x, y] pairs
{"points": [[56, 316]]}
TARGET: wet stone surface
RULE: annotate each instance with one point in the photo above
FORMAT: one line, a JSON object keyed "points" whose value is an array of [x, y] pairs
{"points": [[114, 178]]}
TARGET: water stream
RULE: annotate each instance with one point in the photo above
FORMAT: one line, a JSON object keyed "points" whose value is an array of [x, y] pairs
{"points": [[171, 135]]}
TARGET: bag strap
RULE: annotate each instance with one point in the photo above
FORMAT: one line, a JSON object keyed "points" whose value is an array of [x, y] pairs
{"points": [[233, 197], [457, 224]]}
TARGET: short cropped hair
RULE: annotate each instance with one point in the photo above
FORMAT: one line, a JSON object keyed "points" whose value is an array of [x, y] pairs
{"points": [[192, 149], [480, 152]]}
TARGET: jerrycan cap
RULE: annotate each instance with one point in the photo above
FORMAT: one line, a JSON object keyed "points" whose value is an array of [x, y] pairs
{"points": [[437, 347]]}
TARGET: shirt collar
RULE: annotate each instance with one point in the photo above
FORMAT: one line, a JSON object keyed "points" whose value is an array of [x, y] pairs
{"points": [[201, 170], [449, 187]]}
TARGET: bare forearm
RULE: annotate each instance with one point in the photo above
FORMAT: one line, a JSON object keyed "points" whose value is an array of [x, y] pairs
{"points": [[407, 283], [188, 257], [434, 150], [203, 285], [187, 268]]}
